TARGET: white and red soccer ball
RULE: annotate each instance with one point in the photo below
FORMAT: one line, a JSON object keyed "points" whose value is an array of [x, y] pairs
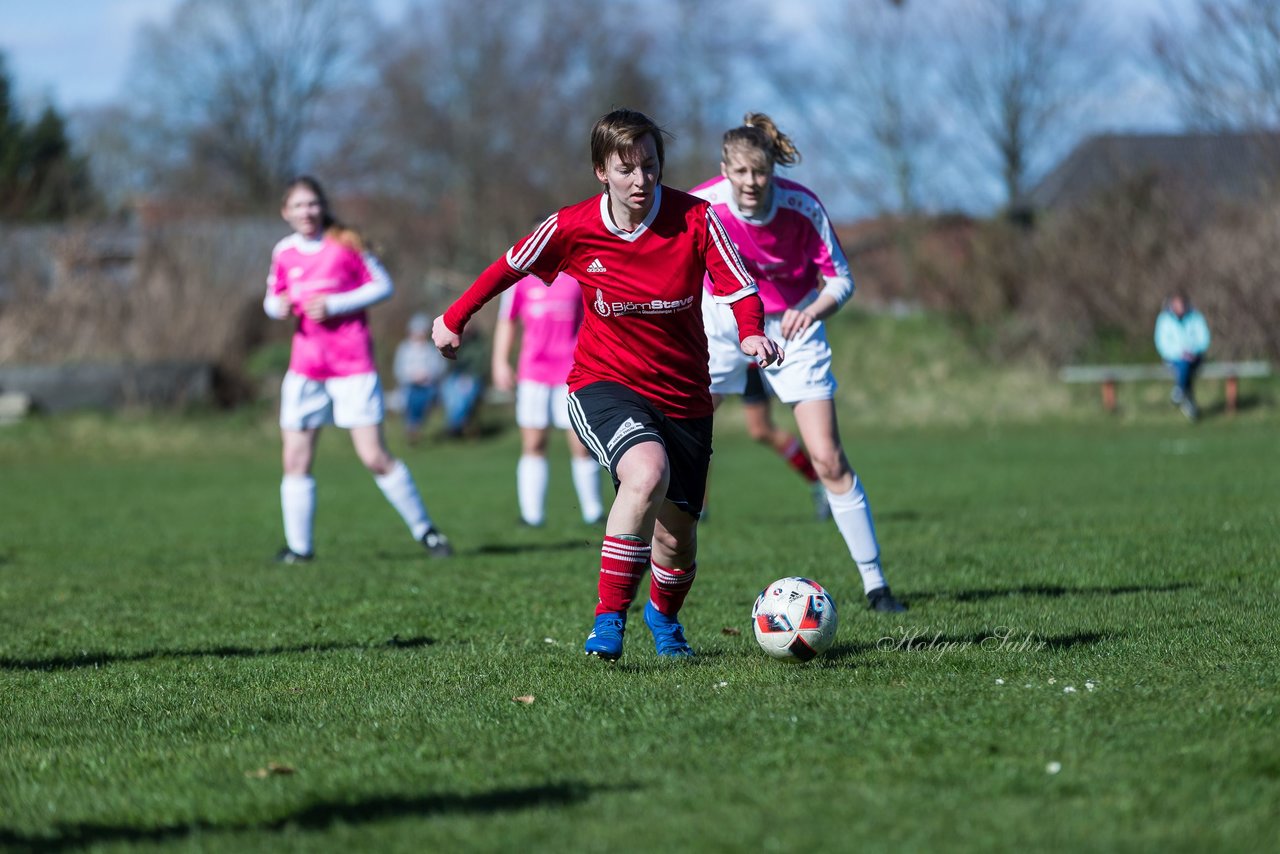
{"points": [[794, 619]]}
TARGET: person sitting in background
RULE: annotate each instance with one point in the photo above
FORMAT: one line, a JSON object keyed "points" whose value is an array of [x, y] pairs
{"points": [[418, 368], [463, 387], [1182, 337]]}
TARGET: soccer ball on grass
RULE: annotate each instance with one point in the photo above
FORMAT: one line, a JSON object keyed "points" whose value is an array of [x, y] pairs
{"points": [[794, 619]]}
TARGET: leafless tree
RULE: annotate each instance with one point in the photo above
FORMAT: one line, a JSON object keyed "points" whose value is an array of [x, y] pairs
{"points": [[1020, 68], [478, 123], [716, 59], [226, 91], [1224, 68], [479, 127], [873, 103]]}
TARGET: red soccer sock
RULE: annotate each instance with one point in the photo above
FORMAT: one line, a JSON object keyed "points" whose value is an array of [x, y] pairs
{"points": [[623, 561], [668, 587], [796, 458]]}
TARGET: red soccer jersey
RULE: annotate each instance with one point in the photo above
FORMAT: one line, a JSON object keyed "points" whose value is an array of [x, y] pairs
{"points": [[642, 289]]}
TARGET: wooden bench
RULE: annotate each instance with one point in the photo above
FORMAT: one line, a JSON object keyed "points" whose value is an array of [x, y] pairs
{"points": [[1111, 375]]}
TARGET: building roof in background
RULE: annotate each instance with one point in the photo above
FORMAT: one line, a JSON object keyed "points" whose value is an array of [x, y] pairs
{"points": [[1226, 166]]}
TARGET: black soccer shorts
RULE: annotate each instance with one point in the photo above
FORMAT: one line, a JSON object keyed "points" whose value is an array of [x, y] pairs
{"points": [[610, 418], [755, 392]]}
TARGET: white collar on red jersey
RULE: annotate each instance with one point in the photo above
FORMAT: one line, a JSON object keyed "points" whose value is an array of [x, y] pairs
{"points": [[630, 236]]}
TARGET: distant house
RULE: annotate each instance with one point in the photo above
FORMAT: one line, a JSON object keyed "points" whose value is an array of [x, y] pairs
{"points": [[1205, 168]]}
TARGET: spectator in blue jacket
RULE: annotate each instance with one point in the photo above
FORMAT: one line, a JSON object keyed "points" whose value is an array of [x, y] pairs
{"points": [[1182, 337]]}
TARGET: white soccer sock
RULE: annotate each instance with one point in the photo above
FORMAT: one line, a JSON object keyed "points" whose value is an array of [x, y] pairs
{"points": [[298, 505], [402, 492], [531, 487], [852, 515], [586, 480]]}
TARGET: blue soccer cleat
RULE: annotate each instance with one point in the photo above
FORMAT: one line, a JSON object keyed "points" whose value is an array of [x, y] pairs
{"points": [[605, 640], [668, 634]]}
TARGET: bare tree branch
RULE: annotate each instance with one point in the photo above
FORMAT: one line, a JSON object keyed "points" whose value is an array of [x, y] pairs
{"points": [[1020, 68], [1225, 68], [872, 98], [230, 88]]}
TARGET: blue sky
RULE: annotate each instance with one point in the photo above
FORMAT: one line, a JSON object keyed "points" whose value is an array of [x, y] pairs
{"points": [[72, 52], [76, 52]]}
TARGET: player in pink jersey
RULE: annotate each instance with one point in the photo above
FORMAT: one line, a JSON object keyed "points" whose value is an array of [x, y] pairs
{"points": [[786, 240], [549, 317], [322, 276], [638, 390], [763, 430]]}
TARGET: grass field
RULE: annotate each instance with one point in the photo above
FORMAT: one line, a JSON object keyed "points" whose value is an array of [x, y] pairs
{"points": [[1090, 660]]}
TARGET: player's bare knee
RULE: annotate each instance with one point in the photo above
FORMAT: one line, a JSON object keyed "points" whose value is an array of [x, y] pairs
{"points": [[648, 483], [674, 550], [644, 472], [379, 463], [296, 463], [830, 463], [533, 443]]}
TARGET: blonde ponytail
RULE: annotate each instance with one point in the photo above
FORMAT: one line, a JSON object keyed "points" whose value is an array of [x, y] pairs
{"points": [[759, 131]]}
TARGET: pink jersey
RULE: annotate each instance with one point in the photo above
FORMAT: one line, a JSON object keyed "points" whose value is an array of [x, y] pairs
{"points": [[790, 249], [549, 317], [340, 345]]}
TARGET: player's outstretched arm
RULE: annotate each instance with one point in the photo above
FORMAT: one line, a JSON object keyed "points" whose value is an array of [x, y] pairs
{"points": [[495, 279], [446, 340], [748, 311], [764, 351]]}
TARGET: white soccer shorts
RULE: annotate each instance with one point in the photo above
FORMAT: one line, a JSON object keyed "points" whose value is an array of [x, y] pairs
{"points": [[307, 404], [539, 405], [805, 373]]}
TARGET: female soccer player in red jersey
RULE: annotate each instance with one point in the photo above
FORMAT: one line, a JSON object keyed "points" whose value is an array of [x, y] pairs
{"points": [[639, 394], [322, 276], [784, 237]]}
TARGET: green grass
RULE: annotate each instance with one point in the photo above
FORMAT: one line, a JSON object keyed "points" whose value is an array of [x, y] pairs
{"points": [[153, 659], [917, 371]]}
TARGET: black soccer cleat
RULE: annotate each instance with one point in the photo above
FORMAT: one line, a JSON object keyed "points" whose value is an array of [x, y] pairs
{"points": [[436, 543], [289, 556], [882, 599]]}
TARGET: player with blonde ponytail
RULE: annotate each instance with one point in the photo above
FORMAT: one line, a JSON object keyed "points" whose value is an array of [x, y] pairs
{"points": [[785, 239]]}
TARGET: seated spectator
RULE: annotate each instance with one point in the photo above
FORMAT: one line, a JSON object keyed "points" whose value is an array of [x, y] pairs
{"points": [[463, 387], [1182, 337], [419, 369]]}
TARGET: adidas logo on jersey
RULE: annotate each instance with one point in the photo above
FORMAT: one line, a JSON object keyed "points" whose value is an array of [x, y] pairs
{"points": [[596, 267]]}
